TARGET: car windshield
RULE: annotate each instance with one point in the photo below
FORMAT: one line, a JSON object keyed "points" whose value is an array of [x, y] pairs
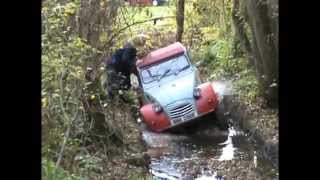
{"points": [[164, 69]]}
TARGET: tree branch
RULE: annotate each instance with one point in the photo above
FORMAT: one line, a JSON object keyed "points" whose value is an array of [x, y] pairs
{"points": [[66, 118], [132, 24], [125, 20]]}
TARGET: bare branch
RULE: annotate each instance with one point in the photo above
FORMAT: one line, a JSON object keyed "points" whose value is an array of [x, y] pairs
{"points": [[66, 118], [135, 23], [125, 20]]}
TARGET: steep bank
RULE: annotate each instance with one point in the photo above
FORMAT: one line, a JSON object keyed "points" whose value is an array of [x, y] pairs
{"points": [[131, 162], [261, 124]]}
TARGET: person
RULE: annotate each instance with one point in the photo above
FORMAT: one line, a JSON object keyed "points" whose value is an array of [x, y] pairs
{"points": [[119, 68], [141, 43], [123, 63]]}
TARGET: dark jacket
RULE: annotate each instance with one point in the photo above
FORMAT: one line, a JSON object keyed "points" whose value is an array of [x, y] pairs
{"points": [[123, 61]]}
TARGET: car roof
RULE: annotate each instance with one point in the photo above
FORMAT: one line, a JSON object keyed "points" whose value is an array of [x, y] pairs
{"points": [[161, 54]]}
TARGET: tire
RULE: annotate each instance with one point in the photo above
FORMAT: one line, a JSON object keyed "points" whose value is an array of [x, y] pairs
{"points": [[219, 121], [223, 124]]}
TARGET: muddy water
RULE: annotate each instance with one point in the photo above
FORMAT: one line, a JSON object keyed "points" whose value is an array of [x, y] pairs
{"points": [[186, 156], [190, 156]]}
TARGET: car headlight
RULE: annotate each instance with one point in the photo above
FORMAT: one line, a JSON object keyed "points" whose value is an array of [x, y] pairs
{"points": [[196, 92], [156, 107]]}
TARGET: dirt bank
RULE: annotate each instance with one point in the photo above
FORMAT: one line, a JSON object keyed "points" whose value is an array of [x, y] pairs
{"points": [[259, 123]]}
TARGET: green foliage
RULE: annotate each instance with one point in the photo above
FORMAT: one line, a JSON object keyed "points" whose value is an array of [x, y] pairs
{"points": [[209, 34], [219, 60], [89, 164], [247, 86], [50, 172], [63, 54], [66, 90], [202, 12], [65, 57], [131, 15], [60, 47], [70, 9]]}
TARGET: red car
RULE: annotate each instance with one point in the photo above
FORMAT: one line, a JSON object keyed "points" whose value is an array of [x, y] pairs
{"points": [[173, 93]]}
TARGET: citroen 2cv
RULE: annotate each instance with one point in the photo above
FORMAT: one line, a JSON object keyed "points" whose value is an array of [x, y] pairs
{"points": [[173, 93]]}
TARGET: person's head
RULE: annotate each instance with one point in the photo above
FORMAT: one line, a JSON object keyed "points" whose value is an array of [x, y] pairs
{"points": [[141, 39]]}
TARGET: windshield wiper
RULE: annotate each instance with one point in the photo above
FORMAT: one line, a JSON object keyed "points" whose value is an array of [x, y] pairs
{"points": [[184, 68], [152, 75], [164, 74], [177, 71]]}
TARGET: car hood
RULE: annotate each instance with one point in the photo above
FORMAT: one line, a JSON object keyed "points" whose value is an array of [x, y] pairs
{"points": [[170, 90]]}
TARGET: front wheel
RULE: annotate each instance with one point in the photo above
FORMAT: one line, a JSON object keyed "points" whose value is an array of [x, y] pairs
{"points": [[220, 122], [223, 124]]}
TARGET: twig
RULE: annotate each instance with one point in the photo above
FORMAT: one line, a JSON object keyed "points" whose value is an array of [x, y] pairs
{"points": [[134, 23], [69, 123], [105, 46], [125, 20], [69, 95]]}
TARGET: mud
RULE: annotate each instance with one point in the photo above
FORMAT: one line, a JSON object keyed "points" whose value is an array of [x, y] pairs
{"points": [[210, 153]]}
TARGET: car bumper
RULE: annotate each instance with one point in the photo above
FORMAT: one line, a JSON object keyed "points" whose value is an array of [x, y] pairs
{"points": [[188, 122]]}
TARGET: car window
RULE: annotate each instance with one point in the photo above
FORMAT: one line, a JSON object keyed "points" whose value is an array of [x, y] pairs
{"points": [[164, 69]]}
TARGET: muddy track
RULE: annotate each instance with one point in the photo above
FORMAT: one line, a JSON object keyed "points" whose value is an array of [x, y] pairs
{"points": [[209, 153]]}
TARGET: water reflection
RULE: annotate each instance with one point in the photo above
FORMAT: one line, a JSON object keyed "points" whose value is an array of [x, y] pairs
{"points": [[183, 157]]}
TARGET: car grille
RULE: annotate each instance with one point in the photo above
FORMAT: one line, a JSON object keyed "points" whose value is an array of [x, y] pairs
{"points": [[182, 113]]}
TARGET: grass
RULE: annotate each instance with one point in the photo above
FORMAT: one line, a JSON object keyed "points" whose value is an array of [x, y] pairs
{"points": [[142, 13], [136, 14]]}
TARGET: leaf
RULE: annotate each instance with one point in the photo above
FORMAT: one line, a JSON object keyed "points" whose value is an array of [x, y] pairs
{"points": [[67, 89], [44, 102]]}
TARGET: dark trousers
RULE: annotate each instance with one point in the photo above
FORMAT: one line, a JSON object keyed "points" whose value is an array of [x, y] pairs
{"points": [[116, 81]]}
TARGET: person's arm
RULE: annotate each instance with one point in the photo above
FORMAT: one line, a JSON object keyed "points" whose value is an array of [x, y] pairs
{"points": [[134, 71]]}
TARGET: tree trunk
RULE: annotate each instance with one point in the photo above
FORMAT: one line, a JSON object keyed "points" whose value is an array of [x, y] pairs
{"points": [[112, 12], [262, 51], [266, 52], [94, 19], [240, 33], [223, 25], [180, 19]]}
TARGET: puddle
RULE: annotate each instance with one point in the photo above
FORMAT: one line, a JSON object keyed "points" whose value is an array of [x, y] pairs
{"points": [[185, 156]]}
